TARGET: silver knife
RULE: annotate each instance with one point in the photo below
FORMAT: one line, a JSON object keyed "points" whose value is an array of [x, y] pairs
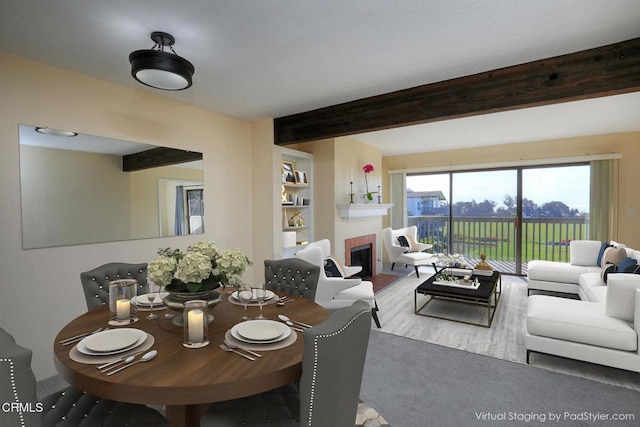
{"points": [[302, 324]]}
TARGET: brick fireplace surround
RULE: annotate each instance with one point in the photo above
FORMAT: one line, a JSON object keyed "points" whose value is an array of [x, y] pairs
{"points": [[354, 242]]}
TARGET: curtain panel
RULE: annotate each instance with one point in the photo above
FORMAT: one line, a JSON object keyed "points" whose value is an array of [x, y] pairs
{"points": [[603, 206], [398, 195], [179, 227]]}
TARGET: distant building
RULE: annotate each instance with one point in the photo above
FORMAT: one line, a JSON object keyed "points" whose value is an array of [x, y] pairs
{"points": [[426, 203]]}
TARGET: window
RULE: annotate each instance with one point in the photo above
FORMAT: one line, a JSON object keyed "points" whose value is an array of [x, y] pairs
{"points": [[511, 215]]}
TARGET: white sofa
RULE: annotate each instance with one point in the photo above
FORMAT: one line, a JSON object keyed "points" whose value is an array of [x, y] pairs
{"points": [[602, 327]]}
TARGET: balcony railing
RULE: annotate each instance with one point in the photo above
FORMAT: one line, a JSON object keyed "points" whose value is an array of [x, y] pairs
{"points": [[543, 238]]}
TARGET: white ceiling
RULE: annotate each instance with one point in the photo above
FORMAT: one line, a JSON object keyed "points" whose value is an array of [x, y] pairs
{"points": [[268, 58]]}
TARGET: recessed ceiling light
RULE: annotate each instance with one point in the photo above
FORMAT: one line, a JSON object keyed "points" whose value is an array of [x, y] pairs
{"points": [[55, 132]]}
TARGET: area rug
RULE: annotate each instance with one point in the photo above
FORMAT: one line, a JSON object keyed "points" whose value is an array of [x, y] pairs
{"points": [[414, 383], [504, 340]]}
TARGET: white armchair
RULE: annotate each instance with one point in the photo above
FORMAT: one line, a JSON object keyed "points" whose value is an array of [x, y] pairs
{"points": [[337, 292], [325, 246], [412, 255]]}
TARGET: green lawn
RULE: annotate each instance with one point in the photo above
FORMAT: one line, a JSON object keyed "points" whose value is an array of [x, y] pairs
{"points": [[545, 238]]}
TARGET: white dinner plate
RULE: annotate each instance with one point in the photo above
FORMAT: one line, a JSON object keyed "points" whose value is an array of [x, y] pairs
{"points": [[143, 301], [270, 295], [112, 340], [256, 331], [82, 349]]}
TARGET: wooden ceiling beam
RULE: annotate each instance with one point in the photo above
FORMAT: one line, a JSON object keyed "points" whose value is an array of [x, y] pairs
{"points": [[602, 71], [156, 157]]}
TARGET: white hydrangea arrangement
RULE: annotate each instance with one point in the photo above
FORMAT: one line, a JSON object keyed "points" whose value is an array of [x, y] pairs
{"points": [[202, 267], [194, 267], [450, 260]]}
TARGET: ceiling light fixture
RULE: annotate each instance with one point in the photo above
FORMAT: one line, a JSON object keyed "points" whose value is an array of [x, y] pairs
{"points": [[159, 69], [55, 132]]}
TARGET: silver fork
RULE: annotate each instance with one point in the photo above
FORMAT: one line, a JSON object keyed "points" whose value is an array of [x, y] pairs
{"points": [[225, 348], [253, 353], [80, 337]]}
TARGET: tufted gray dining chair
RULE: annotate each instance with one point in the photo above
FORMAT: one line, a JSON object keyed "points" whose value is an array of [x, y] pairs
{"points": [[96, 282], [67, 408], [329, 389], [292, 275]]}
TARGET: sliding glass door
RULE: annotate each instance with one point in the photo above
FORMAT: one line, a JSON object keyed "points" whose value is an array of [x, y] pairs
{"points": [[484, 217], [510, 215], [555, 210]]}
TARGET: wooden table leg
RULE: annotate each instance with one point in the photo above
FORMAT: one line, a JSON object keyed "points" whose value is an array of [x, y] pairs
{"points": [[185, 415]]}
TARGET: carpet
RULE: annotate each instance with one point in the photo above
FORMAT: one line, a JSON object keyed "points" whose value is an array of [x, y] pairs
{"points": [[414, 384], [504, 340]]}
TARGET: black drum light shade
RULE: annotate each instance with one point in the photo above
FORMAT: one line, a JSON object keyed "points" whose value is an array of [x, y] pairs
{"points": [[159, 69]]}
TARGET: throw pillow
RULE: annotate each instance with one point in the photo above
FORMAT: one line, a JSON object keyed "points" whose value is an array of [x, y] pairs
{"points": [[603, 247], [627, 265], [613, 255], [584, 252], [331, 268], [404, 243], [606, 270], [621, 297]]}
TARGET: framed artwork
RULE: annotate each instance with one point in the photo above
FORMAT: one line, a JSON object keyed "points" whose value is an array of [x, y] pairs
{"points": [[301, 177], [288, 173]]}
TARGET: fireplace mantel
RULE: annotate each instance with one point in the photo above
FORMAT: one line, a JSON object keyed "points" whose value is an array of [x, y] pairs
{"points": [[361, 210]]}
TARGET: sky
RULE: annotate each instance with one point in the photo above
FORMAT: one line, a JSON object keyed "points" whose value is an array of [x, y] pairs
{"points": [[568, 184]]}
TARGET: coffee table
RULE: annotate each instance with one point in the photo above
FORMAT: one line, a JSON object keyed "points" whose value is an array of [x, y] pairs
{"points": [[486, 295]]}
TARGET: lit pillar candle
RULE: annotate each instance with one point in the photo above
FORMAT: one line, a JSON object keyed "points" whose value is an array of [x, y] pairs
{"points": [[195, 319], [123, 309]]}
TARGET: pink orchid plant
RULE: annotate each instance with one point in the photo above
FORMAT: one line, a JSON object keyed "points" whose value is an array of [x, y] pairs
{"points": [[368, 168]]}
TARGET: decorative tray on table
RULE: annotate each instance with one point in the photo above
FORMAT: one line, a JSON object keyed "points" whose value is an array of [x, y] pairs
{"points": [[457, 281], [479, 272]]}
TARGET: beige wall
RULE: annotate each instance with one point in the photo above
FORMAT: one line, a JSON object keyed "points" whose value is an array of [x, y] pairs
{"points": [[337, 162], [265, 159], [627, 144], [40, 288], [324, 195]]}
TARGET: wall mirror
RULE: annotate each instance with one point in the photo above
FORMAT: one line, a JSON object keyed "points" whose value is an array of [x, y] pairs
{"points": [[89, 189]]}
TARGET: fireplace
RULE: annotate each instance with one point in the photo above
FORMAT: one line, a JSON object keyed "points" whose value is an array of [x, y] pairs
{"points": [[361, 256], [361, 251]]}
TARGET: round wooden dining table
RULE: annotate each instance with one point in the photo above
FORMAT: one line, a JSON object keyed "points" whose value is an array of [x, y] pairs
{"points": [[186, 380]]}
